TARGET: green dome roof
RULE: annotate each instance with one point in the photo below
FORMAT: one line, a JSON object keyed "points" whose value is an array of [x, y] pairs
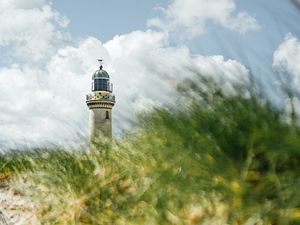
{"points": [[100, 74]]}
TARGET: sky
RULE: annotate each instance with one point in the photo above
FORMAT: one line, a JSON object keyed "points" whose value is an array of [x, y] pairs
{"points": [[49, 51]]}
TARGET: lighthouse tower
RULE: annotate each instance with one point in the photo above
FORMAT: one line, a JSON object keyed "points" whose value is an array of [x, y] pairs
{"points": [[100, 103]]}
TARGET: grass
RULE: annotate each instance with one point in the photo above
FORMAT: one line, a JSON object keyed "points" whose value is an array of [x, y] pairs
{"points": [[217, 159]]}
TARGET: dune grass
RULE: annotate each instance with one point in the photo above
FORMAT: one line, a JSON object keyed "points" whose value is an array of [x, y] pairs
{"points": [[216, 159]]}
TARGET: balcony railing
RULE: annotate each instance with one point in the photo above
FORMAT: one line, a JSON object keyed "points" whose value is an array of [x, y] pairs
{"points": [[100, 97]]}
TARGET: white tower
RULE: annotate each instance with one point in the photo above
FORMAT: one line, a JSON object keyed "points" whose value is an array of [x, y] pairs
{"points": [[100, 103]]}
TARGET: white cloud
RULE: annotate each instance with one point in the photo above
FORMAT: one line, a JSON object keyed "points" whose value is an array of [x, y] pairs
{"points": [[31, 28], [192, 16], [42, 105], [286, 62], [21, 4], [287, 67], [226, 74]]}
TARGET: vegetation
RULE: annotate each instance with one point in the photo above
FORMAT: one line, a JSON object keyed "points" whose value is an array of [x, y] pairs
{"points": [[216, 159]]}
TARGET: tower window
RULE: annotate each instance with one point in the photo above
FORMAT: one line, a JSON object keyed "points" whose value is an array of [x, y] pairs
{"points": [[101, 85], [107, 115]]}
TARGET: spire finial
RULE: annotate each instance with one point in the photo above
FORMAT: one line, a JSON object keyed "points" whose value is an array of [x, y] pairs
{"points": [[101, 62]]}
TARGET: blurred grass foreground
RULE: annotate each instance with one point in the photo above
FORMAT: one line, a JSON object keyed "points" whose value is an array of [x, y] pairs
{"points": [[215, 158]]}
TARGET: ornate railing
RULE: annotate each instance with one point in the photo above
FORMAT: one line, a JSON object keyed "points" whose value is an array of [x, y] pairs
{"points": [[100, 97]]}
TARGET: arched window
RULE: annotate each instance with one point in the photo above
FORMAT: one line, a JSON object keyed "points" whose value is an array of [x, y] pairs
{"points": [[107, 115]]}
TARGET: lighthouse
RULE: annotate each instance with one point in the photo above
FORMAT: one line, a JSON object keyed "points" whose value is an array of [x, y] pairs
{"points": [[100, 103]]}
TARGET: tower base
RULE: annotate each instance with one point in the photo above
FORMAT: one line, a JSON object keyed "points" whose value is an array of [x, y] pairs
{"points": [[100, 124]]}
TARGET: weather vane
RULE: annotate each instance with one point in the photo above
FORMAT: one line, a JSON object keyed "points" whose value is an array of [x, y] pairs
{"points": [[101, 63]]}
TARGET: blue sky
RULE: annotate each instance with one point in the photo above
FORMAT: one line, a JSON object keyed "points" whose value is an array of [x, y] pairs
{"points": [[48, 51], [105, 19]]}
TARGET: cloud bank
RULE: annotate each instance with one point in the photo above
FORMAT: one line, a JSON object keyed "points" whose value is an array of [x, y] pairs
{"points": [[43, 92]]}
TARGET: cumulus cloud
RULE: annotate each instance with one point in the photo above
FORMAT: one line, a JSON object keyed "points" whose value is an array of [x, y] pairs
{"points": [[287, 69], [192, 16], [286, 63], [28, 4], [32, 29], [43, 105]]}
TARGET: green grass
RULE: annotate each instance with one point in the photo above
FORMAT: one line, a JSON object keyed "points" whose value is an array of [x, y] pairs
{"points": [[215, 159]]}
